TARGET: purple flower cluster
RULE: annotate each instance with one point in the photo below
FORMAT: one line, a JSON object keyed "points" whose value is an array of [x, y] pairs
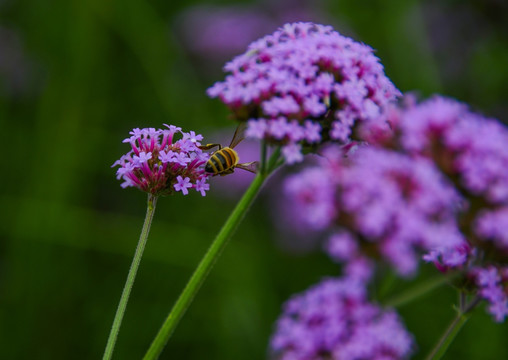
{"points": [[159, 165], [470, 151], [469, 148], [378, 203], [433, 180], [492, 283], [304, 84], [334, 320]]}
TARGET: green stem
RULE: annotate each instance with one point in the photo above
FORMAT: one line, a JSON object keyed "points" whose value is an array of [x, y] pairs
{"points": [[453, 329], [275, 161], [204, 268], [447, 338], [120, 311], [264, 147], [418, 290]]}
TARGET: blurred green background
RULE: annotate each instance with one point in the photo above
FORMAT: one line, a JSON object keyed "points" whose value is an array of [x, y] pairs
{"points": [[76, 76]]}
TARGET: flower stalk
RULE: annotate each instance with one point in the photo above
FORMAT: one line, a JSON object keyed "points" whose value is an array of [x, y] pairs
{"points": [[419, 290], [209, 259], [463, 314], [117, 322]]}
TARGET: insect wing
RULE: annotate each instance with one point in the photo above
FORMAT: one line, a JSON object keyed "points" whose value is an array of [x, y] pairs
{"points": [[239, 134], [250, 166]]}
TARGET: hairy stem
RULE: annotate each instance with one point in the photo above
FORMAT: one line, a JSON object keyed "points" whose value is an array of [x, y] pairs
{"points": [[117, 322]]}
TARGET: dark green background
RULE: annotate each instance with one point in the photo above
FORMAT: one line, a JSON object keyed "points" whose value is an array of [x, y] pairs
{"points": [[94, 69]]}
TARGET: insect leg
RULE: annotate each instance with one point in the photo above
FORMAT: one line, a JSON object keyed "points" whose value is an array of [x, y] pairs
{"points": [[210, 146], [250, 166]]}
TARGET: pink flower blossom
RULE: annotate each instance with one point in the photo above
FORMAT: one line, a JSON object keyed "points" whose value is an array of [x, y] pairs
{"points": [[335, 320], [304, 73], [159, 165]]}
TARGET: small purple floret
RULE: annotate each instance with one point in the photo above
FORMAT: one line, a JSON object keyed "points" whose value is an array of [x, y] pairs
{"points": [[492, 283], [182, 184]]}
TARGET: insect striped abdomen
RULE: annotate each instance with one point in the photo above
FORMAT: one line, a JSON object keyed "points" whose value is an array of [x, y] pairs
{"points": [[221, 161]]}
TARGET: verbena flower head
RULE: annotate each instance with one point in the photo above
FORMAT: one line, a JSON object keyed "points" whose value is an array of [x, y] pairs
{"points": [[159, 164], [304, 84], [378, 204], [469, 148], [492, 283], [471, 151], [334, 320]]}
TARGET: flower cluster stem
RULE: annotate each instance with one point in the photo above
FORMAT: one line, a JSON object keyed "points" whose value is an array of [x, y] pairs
{"points": [[463, 314], [204, 268], [419, 290], [117, 322]]}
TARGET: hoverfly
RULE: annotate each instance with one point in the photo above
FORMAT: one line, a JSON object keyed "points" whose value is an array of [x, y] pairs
{"points": [[224, 160]]}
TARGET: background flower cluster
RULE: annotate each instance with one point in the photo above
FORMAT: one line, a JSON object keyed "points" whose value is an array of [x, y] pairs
{"points": [[432, 182]]}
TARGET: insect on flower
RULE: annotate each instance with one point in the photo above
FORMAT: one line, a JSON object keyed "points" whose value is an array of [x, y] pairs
{"points": [[224, 160]]}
